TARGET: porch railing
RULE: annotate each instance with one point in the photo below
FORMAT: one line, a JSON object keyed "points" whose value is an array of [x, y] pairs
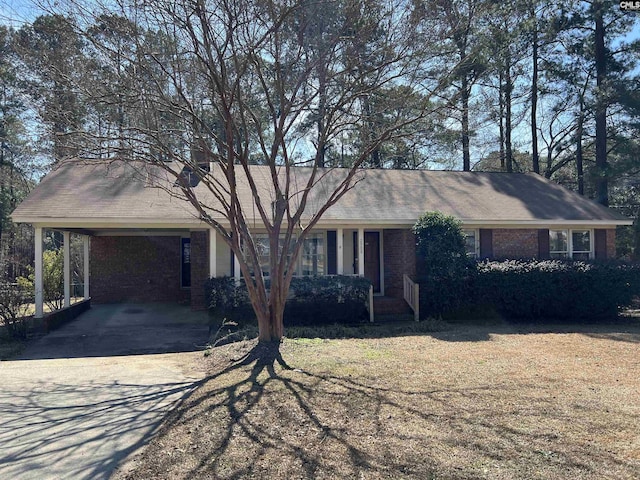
{"points": [[371, 318], [412, 295]]}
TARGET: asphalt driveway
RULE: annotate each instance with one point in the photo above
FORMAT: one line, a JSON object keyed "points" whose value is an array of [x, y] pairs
{"points": [[83, 398]]}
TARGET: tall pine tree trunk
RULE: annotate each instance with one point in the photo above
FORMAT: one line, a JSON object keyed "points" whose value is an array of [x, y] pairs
{"points": [[535, 158], [508, 87], [501, 119], [579, 158], [466, 156], [602, 185]]}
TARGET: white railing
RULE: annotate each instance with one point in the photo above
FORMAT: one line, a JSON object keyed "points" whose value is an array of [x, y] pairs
{"points": [[412, 295]]}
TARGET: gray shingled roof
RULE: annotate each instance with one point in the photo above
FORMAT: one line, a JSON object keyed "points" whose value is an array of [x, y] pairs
{"points": [[77, 191]]}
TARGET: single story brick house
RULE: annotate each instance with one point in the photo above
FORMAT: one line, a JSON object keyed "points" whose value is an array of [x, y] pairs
{"points": [[146, 245]]}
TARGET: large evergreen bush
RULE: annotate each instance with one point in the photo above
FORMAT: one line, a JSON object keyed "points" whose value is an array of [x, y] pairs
{"points": [[442, 263]]}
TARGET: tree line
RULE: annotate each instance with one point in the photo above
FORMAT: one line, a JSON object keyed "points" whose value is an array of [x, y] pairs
{"points": [[526, 85]]}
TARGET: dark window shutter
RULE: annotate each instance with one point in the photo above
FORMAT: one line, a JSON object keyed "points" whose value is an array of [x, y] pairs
{"points": [[486, 243], [543, 243], [600, 243], [332, 258]]}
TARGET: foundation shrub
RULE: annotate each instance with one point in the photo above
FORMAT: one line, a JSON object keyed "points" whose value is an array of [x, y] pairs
{"points": [[327, 300], [313, 300], [563, 289], [443, 266]]}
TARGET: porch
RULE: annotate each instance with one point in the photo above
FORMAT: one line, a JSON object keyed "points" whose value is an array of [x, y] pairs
{"points": [[171, 264]]}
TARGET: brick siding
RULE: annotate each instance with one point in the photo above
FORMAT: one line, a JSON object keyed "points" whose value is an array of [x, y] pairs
{"points": [[399, 258], [136, 269], [515, 243], [199, 268]]}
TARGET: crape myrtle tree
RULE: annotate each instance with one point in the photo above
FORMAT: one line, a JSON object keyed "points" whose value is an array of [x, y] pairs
{"points": [[237, 83]]}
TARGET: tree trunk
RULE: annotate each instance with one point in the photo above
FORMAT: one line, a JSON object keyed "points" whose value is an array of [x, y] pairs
{"points": [[271, 325], [501, 119], [535, 158], [602, 186], [508, 87], [579, 159], [466, 157]]}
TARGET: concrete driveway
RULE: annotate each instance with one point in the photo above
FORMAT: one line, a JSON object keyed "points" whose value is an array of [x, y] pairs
{"points": [[83, 398]]}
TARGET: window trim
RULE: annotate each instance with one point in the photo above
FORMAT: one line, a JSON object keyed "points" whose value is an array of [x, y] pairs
{"points": [[570, 251], [323, 233], [476, 241], [298, 265]]}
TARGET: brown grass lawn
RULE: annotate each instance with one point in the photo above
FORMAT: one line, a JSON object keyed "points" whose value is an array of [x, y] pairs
{"points": [[495, 402]]}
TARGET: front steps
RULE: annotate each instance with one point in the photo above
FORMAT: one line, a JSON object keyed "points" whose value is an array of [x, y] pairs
{"points": [[390, 306]]}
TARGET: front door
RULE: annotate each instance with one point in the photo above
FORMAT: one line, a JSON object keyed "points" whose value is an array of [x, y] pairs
{"points": [[372, 258]]}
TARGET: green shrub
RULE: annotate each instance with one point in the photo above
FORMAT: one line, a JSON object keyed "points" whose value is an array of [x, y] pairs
{"points": [[327, 300], [52, 278], [442, 263], [551, 289], [226, 300], [14, 305], [314, 300]]}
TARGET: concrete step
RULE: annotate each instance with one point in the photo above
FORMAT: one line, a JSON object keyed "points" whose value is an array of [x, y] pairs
{"points": [[390, 305]]}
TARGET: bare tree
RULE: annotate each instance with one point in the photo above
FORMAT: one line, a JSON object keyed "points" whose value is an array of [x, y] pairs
{"points": [[229, 84]]}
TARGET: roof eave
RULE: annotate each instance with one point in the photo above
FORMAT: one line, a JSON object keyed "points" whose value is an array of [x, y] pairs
{"points": [[93, 222]]}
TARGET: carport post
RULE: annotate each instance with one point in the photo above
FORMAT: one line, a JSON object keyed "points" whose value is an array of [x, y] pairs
{"points": [[66, 239], [236, 269], [85, 263], [212, 252], [339, 252], [38, 273], [361, 252]]}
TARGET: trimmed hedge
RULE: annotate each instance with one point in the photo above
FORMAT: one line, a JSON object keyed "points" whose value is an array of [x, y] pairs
{"points": [[327, 300], [561, 289], [313, 300], [535, 289]]}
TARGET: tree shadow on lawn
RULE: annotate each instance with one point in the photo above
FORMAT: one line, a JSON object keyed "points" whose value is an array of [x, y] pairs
{"points": [[58, 430], [259, 418]]}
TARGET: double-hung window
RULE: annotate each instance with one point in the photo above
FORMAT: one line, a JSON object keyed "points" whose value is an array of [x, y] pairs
{"points": [[313, 255], [312, 259], [471, 242], [576, 244]]}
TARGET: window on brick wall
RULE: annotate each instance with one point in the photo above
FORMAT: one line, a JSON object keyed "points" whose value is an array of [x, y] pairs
{"points": [[472, 242], [313, 255], [312, 260], [576, 244]]}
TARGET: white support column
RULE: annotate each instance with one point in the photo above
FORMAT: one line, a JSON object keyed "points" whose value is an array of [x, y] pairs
{"points": [[213, 241], [361, 252], [340, 251], [85, 245], [39, 300], [66, 254], [236, 268]]}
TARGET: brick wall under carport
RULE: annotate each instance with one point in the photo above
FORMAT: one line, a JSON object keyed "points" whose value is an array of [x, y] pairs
{"points": [[199, 268], [136, 269]]}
